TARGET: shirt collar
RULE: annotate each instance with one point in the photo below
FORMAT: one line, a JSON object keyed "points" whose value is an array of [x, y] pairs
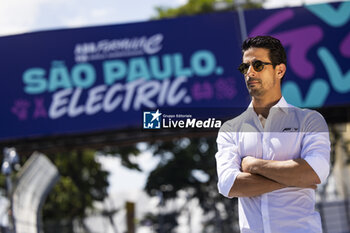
{"points": [[281, 104]]}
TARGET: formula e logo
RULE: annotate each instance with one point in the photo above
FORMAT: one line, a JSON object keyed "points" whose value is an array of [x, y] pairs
{"points": [[152, 119]]}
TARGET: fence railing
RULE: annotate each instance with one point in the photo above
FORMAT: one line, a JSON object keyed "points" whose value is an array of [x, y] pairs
{"points": [[335, 216]]}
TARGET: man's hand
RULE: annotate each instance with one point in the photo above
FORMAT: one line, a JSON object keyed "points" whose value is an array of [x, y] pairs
{"points": [[295, 172], [261, 176], [247, 164]]}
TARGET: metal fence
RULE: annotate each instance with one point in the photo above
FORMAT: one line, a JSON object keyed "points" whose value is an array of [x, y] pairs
{"points": [[335, 216]]}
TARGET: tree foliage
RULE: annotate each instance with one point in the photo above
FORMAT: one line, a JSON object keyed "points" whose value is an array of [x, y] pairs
{"points": [[82, 182], [195, 7], [189, 164]]}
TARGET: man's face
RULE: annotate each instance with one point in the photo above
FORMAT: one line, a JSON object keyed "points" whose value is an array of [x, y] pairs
{"points": [[264, 82]]}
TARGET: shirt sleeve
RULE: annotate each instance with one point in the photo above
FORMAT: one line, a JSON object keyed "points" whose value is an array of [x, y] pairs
{"points": [[316, 145], [228, 162]]}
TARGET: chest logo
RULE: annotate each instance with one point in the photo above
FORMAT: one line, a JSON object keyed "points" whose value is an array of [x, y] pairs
{"points": [[290, 130]]}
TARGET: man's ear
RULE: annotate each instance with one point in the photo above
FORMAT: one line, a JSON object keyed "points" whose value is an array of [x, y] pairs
{"points": [[281, 70]]}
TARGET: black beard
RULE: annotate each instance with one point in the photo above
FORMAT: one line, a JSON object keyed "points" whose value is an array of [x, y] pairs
{"points": [[256, 92]]}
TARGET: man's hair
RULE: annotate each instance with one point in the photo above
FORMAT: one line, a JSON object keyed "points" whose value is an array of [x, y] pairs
{"points": [[277, 54]]}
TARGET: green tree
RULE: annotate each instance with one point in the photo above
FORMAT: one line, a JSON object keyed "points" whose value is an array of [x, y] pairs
{"points": [[82, 182], [189, 164], [195, 7]]}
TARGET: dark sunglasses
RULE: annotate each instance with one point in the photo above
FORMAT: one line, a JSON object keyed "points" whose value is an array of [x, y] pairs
{"points": [[257, 65]]}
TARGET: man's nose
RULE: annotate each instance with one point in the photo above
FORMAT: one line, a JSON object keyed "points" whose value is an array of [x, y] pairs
{"points": [[251, 71]]}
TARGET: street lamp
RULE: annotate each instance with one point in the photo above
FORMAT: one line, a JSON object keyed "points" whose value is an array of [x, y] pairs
{"points": [[11, 159]]}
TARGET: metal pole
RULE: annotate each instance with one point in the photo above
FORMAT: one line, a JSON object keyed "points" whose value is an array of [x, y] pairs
{"points": [[12, 228], [160, 208], [241, 19], [188, 197], [10, 159]]}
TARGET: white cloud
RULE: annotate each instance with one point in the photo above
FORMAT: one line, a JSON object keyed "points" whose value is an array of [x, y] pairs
{"points": [[18, 16], [181, 2], [78, 21], [100, 13]]}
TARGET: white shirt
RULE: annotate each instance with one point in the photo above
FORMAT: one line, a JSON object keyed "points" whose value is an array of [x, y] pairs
{"points": [[289, 133]]}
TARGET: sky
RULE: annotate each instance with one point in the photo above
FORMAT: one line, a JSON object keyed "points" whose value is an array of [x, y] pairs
{"points": [[20, 16], [17, 16], [122, 179]]}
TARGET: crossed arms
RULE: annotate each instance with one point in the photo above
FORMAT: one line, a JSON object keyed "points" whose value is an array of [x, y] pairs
{"points": [[261, 176]]}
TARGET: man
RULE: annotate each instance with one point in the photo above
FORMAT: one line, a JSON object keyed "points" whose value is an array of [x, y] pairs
{"points": [[273, 155]]}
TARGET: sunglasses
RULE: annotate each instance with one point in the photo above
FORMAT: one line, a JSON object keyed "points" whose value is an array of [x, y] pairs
{"points": [[257, 65]]}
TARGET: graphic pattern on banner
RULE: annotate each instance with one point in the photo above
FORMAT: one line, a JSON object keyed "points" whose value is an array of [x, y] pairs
{"points": [[317, 39]]}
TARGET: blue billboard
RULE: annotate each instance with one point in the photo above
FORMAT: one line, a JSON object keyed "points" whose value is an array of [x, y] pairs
{"points": [[102, 78]]}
